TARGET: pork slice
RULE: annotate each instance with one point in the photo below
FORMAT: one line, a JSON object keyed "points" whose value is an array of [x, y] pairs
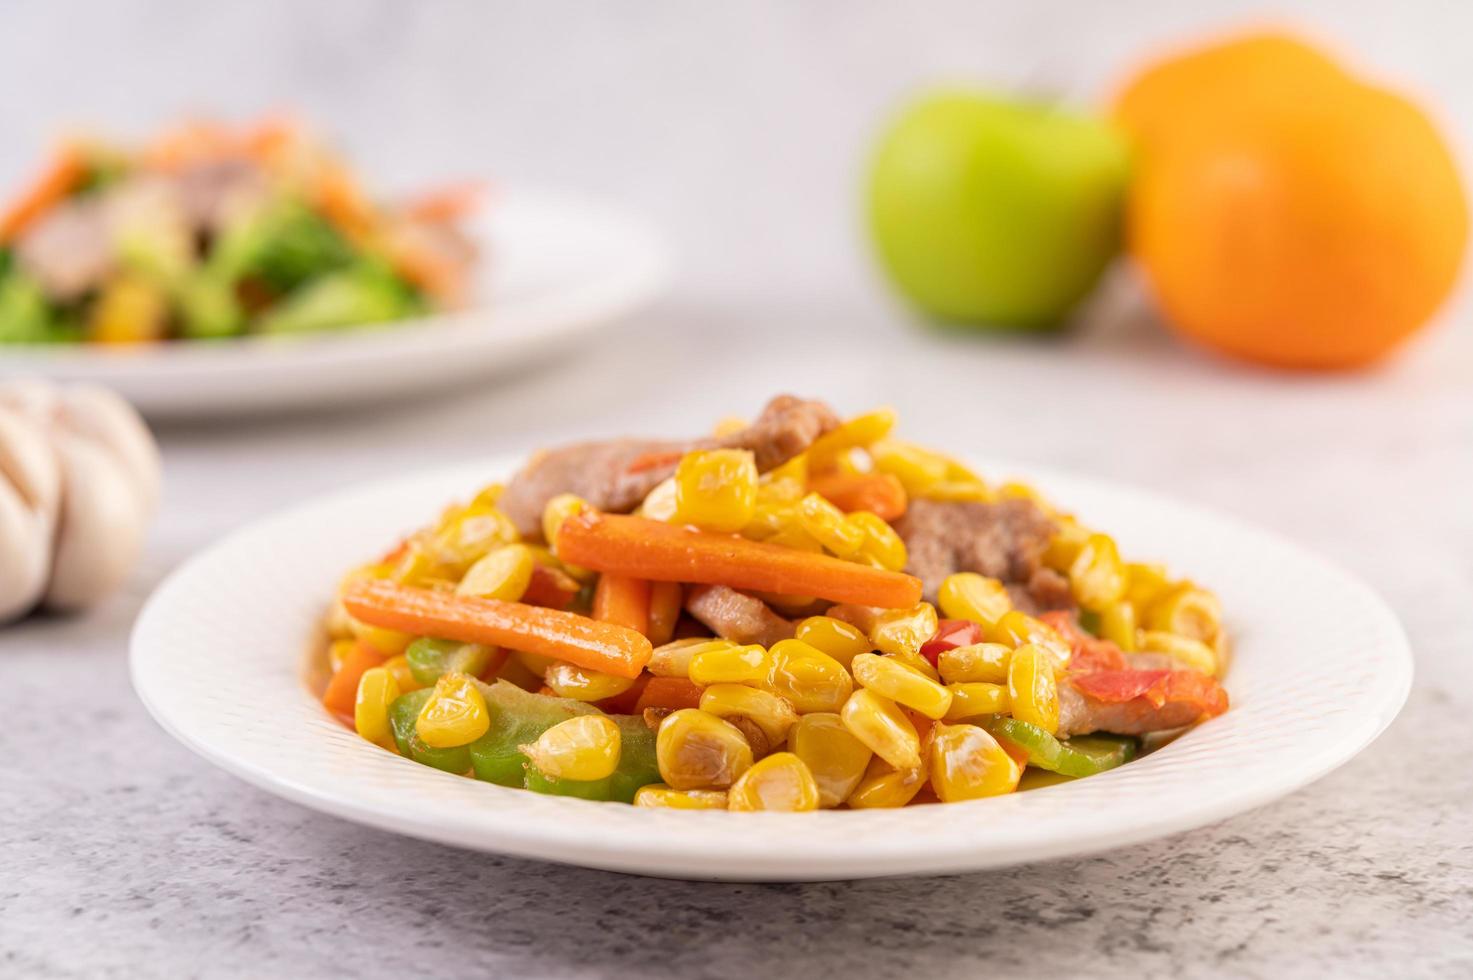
{"points": [[1176, 698], [69, 250], [1045, 591], [735, 616], [615, 475], [1003, 540]]}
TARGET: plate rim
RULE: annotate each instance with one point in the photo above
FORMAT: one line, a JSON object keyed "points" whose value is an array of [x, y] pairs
{"points": [[663, 857]]}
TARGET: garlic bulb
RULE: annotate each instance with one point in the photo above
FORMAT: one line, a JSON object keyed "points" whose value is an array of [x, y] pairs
{"points": [[79, 479]]}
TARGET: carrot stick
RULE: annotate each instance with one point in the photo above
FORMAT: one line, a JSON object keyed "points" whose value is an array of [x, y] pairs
{"points": [[880, 493], [550, 587], [666, 553], [666, 600], [623, 601], [669, 692], [55, 183], [342, 690], [566, 636]]}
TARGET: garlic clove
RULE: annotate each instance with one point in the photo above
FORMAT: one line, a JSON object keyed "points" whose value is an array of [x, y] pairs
{"points": [[100, 530], [104, 418], [30, 490]]}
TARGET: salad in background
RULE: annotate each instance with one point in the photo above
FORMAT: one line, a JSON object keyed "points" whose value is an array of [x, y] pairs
{"points": [[214, 231]]}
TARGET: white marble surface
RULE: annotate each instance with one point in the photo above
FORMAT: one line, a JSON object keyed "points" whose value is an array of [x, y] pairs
{"points": [[121, 854]]}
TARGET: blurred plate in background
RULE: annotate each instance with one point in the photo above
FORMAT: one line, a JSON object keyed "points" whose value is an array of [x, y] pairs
{"points": [[554, 267]]}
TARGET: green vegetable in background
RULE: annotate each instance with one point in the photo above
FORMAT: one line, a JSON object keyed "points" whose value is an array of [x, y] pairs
{"points": [[1083, 755], [283, 246], [25, 316], [363, 294]]}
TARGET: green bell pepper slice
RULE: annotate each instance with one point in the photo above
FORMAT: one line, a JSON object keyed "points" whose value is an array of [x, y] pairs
{"points": [[1083, 755]]}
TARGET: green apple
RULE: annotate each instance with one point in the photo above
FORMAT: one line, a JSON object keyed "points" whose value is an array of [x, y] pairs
{"points": [[996, 212]]}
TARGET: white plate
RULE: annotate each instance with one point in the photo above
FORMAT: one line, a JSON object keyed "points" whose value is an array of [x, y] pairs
{"points": [[553, 267], [1321, 666]]}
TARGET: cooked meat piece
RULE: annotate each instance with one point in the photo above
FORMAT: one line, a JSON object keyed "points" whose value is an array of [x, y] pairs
{"points": [[68, 250], [1045, 591], [1003, 540], [1166, 699], [614, 475], [735, 616]]}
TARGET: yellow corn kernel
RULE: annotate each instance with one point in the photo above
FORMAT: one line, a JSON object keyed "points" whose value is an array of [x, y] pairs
{"points": [[973, 698], [968, 764], [454, 715], [696, 750], [884, 786], [1117, 624], [856, 433], [1147, 583], [881, 544], [337, 652], [1096, 575], [917, 469], [1064, 546], [1033, 694], [582, 748], [892, 679], [828, 525], [796, 538], [917, 663], [840, 640], [489, 495], [774, 715], [1017, 628], [716, 489], [728, 425], [967, 595], [904, 631], [660, 795], [809, 679], [673, 659], [959, 491], [1018, 490], [388, 642], [723, 662], [581, 684], [465, 535], [835, 757], [503, 574], [1188, 652], [659, 503], [770, 517], [779, 782], [557, 510], [787, 482], [976, 662], [1187, 611], [398, 667], [376, 691], [883, 727]]}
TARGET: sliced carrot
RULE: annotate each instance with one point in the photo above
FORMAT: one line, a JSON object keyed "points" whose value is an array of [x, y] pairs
{"points": [[662, 552], [666, 600], [447, 204], [59, 179], [881, 493], [623, 601], [550, 587], [553, 633], [669, 692], [342, 690]]}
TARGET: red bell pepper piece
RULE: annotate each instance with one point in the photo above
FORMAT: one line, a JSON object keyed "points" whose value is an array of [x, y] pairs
{"points": [[950, 634]]}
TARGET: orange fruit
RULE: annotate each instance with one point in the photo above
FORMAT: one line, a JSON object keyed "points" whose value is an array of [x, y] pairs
{"points": [[1287, 213]]}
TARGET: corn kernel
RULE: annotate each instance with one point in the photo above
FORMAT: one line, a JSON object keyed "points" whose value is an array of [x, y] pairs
{"points": [[728, 663], [972, 698], [810, 679], [454, 715], [959, 491], [770, 517], [503, 574], [716, 489], [390, 643], [894, 680], [1065, 544], [557, 510], [796, 538], [967, 595], [582, 748], [1117, 624], [673, 659], [1033, 694], [772, 714], [728, 425], [402, 673], [1187, 611], [968, 764], [884, 786], [581, 684], [904, 631], [1148, 582], [881, 543], [659, 503], [883, 727], [337, 652], [1018, 490], [489, 495], [779, 782], [917, 469], [835, 757], [467, 534], [697, 750], [840, 640], [855, 433], [828, 525], [1190, 653], [1017, 628], [976, 662], [1096, 575], [377, 689], [660, 795]]}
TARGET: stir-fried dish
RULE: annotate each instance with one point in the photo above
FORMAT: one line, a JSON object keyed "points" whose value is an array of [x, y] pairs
{"points": [[792, 614], [210, 231]]}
